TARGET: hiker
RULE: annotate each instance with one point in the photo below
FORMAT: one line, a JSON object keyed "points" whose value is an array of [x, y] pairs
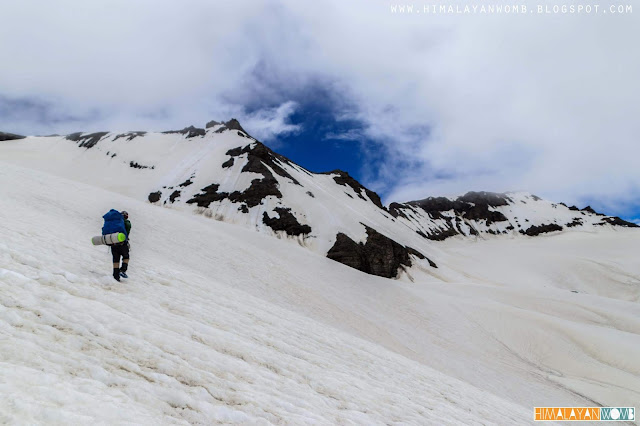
{"points": [[114, 221]]}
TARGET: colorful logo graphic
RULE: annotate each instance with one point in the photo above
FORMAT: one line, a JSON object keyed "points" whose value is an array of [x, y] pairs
{"points": [[573, 414]]}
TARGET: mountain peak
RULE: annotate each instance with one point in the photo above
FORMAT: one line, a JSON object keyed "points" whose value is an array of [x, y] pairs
{"points": [[476, 213], [10, 136], [232, 124]]}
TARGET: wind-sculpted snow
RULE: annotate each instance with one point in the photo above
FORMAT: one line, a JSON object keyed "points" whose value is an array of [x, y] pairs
{"points": [[173, 345]]}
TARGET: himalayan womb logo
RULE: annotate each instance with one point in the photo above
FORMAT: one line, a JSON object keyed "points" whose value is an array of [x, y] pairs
{"points": [[572, 414]]}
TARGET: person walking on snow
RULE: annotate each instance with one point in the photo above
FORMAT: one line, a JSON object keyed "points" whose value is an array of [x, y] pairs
{"points": [[114, 221]]}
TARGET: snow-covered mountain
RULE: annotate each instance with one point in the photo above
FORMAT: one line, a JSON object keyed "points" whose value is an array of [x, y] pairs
{"points": [[222, 172], [480, 213], [219, 323]]}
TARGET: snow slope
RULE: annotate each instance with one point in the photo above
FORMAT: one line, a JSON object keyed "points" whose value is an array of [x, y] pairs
{"points": [[174, 345], [221, 172], [214, 173], [219, 323]]}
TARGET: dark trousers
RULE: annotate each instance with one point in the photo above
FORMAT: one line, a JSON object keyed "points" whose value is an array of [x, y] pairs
{"points": [[118, 251]]}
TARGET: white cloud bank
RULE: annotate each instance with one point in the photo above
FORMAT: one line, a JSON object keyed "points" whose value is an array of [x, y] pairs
{"points": [[546, 104]]}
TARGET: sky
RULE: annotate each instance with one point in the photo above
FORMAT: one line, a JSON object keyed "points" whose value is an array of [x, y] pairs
{"points": [[411, 104]]}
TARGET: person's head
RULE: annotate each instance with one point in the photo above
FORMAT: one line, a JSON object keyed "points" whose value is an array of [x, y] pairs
{"points": [[125, 214]]}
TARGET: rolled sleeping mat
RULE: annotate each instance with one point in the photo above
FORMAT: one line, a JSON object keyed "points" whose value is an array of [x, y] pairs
{"points": [[109, 239]]}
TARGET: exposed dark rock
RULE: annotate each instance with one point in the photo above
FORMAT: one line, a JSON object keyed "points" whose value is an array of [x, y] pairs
{"points": [[576, 222], [135, 165], [189, 132], [285, 222], [396, 210], [380, 255], [227, 163], [252, 196], [10, 136], [592, 211], [113, 155], [259, 189], [208, 196], [441, 235], [185, 183], [349, 195], [471, 206], [310, 194], [487, 198], [174, 195], [480, 212], [241, 134], [350, 253], [155, 197], [616, 221], [259, 156], [574, 208], [345, 179], [212, 123], [86, 141], [537, 230], [129, 135], [234, 124], [437, 204], [419, 255], [235, 152], [535, 197], [75, 137], [244, 209]]}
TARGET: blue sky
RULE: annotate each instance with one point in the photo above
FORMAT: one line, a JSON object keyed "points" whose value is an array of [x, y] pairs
{"points": [[410, 105], [323, 139]]}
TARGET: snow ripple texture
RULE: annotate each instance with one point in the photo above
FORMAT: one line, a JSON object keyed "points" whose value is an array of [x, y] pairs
{"points": [[170, 346]]}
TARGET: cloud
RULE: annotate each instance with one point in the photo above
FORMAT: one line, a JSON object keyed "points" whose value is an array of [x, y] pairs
{"points": [[449, 103], [267, 124], [349, 135]]}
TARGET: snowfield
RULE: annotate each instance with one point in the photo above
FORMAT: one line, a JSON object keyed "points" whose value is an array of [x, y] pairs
{"points": [[218, 323]]}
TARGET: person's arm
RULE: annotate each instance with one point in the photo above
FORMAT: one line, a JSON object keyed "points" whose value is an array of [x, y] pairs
{"points": [[127, 225]]}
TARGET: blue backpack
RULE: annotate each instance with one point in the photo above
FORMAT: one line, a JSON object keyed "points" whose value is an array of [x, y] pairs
{"points": [[113, 222]]}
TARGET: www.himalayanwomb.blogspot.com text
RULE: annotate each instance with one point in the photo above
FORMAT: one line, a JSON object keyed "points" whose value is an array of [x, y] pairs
{"points": [[519, 9]]}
